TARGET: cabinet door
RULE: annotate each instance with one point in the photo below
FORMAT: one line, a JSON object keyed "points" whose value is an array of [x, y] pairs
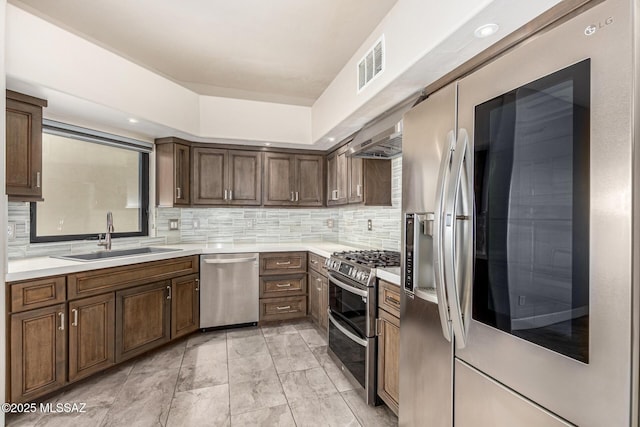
{"points": [[324, 305], [182, 194], [388, 359], [279, 179], [315, 287], [142, 318], [209, 176], [23, 151], [38, 352], [91, 335], [332, 178], [310, 179], [245, 178], [185, 305], [355, 180]]}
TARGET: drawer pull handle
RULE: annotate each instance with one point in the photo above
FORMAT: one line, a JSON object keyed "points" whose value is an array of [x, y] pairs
{"points": [[75, 317], [318, 279], [286, 307], [391, 300], [313, 261], [168, 292], [38, 180], [197, 285], [283, 285], [283, 263]]}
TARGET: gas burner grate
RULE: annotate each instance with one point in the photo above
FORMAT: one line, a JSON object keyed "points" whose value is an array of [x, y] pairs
{"points": [[372, 258]]}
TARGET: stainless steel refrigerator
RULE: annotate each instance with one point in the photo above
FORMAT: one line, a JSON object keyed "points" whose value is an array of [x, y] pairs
{"points": [[520, 202]]}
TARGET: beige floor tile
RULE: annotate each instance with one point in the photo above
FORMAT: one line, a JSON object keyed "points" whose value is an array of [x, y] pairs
{"points": [[313, 338], [275, 330], [286, 345], [279, 416], [200, 338], [90, 417], [167, 357], [310, 384], [253, 395], [330, 411], [246, 346], [202, 407], [296, 362], [369, 416], [253, 368], [202, 375], [211, 351]]}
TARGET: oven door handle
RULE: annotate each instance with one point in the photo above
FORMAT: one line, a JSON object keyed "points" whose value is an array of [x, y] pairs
{"points": [[348, 287], [344, 330]]}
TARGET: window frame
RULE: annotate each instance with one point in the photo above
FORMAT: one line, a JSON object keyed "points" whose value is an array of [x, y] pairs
{"points": [[96, 137]]}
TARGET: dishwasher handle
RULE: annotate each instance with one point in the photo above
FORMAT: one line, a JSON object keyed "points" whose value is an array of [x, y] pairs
{"points": [[229, 260]]}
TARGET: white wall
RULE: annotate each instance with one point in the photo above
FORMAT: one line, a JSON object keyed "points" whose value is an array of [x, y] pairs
{"points": [[46, 57], [254, 120]]}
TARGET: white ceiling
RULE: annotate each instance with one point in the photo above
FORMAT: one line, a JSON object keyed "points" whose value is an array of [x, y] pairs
{"points": [[285, 51]]}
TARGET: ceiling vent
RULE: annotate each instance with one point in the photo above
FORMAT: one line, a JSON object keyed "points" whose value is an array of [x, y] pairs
{"points": [[371, 65]]}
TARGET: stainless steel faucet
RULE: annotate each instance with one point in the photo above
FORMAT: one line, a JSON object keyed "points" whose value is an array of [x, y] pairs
{"points": [[107, 237]]}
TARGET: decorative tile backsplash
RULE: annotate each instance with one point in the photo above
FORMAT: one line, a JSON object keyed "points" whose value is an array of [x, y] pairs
{"points": [[242, 225]]}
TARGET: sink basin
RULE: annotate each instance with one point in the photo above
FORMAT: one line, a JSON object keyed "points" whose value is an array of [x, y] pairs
{"points": [[95, 256]]}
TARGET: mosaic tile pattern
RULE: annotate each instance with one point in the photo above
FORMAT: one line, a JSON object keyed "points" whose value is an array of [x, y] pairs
{"points": [[242, 225]]}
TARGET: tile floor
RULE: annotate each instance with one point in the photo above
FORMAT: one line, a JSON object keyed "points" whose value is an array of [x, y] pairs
{"points": [[278, 375]]}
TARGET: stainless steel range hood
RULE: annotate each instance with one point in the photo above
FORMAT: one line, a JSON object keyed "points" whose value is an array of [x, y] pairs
{"points": [[382, 137]]}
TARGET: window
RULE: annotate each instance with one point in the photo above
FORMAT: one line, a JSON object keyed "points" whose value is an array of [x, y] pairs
{"points": [[85, 175]]}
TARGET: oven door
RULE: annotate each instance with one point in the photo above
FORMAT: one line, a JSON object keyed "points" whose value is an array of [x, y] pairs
{"points": [[550, 124], [349, 323]]}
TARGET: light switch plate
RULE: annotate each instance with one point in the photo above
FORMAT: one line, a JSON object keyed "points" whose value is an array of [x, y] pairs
{"points": [[330, 223], [173, 224], [369, 225]]}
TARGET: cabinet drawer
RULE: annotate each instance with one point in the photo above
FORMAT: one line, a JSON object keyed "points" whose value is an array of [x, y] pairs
{"points": [[37, 293], [281, 286], [283, 263], [316, 262], [110, 279], [283, 308], [389, 297]]}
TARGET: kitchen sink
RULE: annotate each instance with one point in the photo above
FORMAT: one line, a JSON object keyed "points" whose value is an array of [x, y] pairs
{"points": [[96, 256]]}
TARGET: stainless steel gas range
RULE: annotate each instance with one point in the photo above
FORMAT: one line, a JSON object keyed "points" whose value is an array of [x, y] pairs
{"points": [[352, 313]]}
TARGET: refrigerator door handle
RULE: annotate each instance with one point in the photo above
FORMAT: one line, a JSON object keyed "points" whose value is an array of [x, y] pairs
{"points": [[438, 225], [459, 300]]}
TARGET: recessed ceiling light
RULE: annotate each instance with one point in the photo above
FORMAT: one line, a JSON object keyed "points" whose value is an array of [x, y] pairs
{"points": [[267, 144], [132, 120], [486, 30], [331, 139]]}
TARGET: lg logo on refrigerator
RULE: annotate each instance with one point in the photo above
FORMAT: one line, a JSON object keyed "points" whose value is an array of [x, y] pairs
{"points": [[591, 29]]}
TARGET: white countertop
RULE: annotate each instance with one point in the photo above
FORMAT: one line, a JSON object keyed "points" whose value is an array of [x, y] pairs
{"points": [[32, 268], [389, 274]]}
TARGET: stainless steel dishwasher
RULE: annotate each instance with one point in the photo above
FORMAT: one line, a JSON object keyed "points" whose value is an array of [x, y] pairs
{"points": [[228, 289]]}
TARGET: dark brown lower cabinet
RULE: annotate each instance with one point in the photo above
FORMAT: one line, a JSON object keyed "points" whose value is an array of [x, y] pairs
{"points": [[185, 305], [318, 299], [143, 318], [91, 335], [388, 359], [38, 352]]}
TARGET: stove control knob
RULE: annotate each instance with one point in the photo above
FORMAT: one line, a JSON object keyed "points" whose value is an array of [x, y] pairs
{"points": [[359, 275], [354, 272], [365, 277]]}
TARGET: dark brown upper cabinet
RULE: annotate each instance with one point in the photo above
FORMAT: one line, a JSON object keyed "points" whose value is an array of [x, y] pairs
{"points": [[293, 180], [353, 180], [173, 173], [337, 177], [24, 147], [226, 177]]}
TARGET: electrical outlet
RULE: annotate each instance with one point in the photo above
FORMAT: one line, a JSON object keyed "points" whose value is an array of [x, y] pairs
{"points": [[11, 231], [369, 225], [522, 300], [330, 223], [173, 224], [196, 223]]}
